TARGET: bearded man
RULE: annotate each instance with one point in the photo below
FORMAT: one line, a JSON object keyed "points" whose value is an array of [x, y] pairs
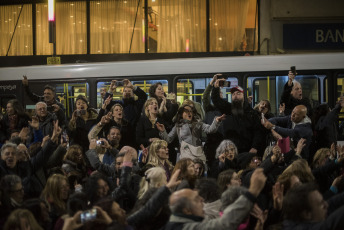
{"points": [[242, 124]]}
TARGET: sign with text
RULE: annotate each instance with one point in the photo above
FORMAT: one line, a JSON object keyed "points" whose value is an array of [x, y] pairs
{"points": [[313, 36], [53, 60]]}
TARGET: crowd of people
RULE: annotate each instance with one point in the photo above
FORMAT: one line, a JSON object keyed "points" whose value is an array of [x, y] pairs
{"points": [[148, 162]]}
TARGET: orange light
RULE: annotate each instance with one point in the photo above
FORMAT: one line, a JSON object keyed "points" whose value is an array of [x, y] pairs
{"points": [[51, 10]]}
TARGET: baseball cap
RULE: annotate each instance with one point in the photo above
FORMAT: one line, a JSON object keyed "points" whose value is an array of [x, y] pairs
{"points": [[237, 88]]}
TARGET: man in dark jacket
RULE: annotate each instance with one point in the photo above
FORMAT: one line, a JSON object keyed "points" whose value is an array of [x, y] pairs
{"points": [[292, 96], [304, 208], [44, 120], [187, 208], [49, 97], [242, 126], [132, 108], [296, 126]]}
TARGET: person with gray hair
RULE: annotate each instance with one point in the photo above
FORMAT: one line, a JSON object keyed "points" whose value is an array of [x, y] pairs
{"points": [[225, 158], [292, 96], [187, 208]]}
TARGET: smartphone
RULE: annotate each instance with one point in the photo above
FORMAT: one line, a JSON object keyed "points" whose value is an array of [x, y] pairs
{"points": [[293, 69], [100, 142], [88, 215], [140, 156], [225, 83], [64, 137], [284, 145], [171, 96], [263, 120], [119, 83]]}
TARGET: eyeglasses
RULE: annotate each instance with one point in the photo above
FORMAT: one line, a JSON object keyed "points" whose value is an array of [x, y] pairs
{"points": [[187, 111]]}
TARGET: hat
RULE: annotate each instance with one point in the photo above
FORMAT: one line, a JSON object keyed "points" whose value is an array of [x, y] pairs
{"points": [[82, 97], [244, 159], [237, 88]]}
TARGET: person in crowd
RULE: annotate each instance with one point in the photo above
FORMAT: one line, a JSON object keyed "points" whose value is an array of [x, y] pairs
{"points": [[242, 125], [14, 119], [189, 131], [43, 121], [213, 139], [198, 107], [228, 178], [96, 187], [187, 173], [40, 211], [113, 138], [56, 193], [74, 163], [225, 158], [187, 208], [116, 120], [200, 169], [82, 121], [230, 196], [292, 96], [49, 97], [296, 126], [13, 192], [158, 157], [147, 129], [167, 107], [209, 190], [27, 169], [155, 177], [305, 208], [325, 125], [264, 107], [132, 108], [22, 219]]}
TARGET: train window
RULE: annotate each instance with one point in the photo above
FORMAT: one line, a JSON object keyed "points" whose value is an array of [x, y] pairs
{"points": [[66, 93], [103, 87], [193, 88]]}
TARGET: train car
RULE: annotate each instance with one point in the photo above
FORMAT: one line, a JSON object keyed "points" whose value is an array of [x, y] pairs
{"points": [[263, 77]]}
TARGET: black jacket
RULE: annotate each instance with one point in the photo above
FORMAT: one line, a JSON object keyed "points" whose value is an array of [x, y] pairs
{"points": [[145, 130], [4, 126], [291, 102], [245, 131]]}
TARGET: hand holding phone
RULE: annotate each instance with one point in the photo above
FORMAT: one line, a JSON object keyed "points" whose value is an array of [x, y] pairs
{"points": [[171, 96], [293, 69], [119, 83], [88, 215]]}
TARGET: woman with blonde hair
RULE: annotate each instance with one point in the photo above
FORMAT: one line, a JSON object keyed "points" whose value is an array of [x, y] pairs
{"points": [[56, 193], [158, 157], [154, 178], [320, 158], [146, 130], [22, 219]]}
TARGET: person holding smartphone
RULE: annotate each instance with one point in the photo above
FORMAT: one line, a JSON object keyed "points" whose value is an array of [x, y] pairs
{"points": [[292, 95]]}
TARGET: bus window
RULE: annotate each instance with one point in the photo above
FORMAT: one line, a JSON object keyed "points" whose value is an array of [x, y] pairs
{"points": [[262, 88], [103, 87], [65, 93], [271, 88], [193, 88]]}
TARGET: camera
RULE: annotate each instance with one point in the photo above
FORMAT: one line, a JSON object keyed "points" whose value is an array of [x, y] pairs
{"points": [[100, 142], [64, 137], [88, 215], [293, 69], [119, 83]]}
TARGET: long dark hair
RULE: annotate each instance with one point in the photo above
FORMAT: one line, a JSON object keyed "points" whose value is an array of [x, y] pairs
{"points": [[152, 90], [18, 108], [180, 114]]}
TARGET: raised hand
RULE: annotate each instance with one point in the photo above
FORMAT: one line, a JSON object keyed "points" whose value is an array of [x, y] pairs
{"points": [[56, 132], [34, 123], [45, 140], [222, 158], [281, 108], [144, 153], [128, 83], [113, 85], [160, 127], [25, 81], [277, 195], [174, 180], [214, 78], [221, 118], [24, 133], [106, 102], [300, 145], [56, 108]]}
